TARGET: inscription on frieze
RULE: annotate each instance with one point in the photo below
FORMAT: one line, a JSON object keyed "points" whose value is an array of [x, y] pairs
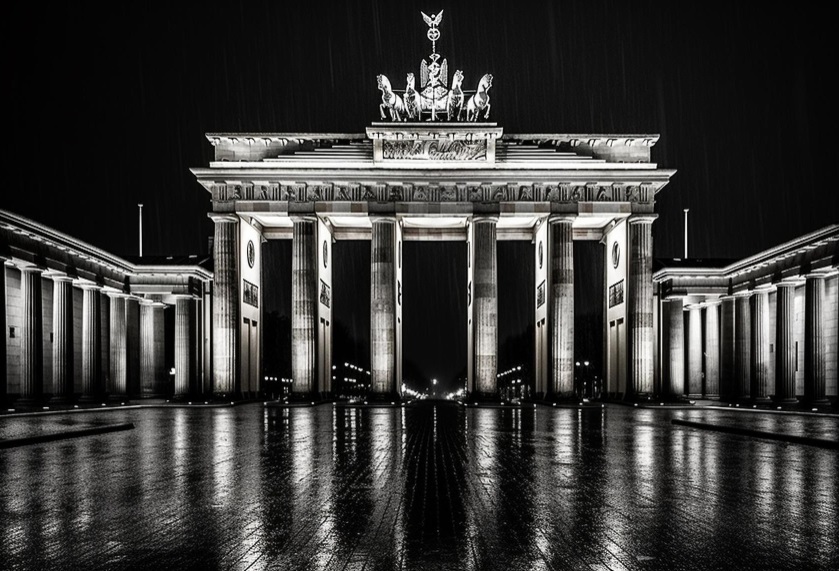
{"points": [[435, 150]]}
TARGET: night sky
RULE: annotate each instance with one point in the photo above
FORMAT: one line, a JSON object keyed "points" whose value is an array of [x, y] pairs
{"points": [[109, 109]]}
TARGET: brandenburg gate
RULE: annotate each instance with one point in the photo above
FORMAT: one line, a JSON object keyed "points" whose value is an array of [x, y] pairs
{"points": [[433, 169], [432, 181]]}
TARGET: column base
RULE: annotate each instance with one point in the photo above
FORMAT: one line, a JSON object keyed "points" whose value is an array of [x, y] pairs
{"points": [[383, 398], [479, 397], [28, 403], [562, 398], [785, 400], [822, 401], [62, 400], [90, 399], [760, 400]]}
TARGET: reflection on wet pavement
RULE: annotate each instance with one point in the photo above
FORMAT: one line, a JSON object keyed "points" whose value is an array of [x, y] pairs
{"points": [[432, 487]]}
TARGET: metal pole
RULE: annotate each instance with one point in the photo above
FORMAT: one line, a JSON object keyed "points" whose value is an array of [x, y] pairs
{"points": [[141, 229], [686, 232]]}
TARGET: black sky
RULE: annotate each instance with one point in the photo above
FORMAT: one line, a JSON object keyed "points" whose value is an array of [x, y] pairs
{"points": [[108, 108]]}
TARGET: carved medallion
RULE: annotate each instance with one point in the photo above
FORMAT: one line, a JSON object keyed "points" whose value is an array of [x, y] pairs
{"points": [[616, 254], [251, 253]]}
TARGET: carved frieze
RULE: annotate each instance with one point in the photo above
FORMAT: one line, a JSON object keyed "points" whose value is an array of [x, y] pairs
{"points": [[563, 192], [435, 150]]}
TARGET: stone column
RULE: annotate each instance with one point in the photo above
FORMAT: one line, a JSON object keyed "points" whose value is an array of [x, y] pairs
{"points": [[184, 345], [695, 351], [743, 346], [640, 306], [152, 372], [91, 344], [62, 339], [674, 365], [785, 343], [4, 388], [815, 371], [383, 307], [225, 305], [32, 337], [728, 347], [119, 347], [760, 346], [712, 350], [560, 235], [485, 300], [132, 342], [303, 310]]}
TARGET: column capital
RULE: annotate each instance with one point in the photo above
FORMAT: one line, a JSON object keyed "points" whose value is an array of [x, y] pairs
{"points": [[58, 276], [84, 284], [565, 218], [30, 268], [117, 294], [297, 218], [223, 218], [743, 293], [727, 297], [484, 218], [815, 276], [151, 302], [642, 218], [384, 218], [786, 283]]}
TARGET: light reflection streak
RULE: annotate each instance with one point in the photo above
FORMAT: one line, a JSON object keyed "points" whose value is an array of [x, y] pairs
{"points": [[223, 459]]}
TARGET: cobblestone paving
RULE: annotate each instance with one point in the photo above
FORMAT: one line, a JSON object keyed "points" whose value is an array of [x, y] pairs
{"points": [[419, 488]]}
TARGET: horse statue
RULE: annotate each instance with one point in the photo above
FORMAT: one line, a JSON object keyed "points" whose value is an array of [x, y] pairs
{"points": [[390, 100], [454, 105], [479, 101], [413, 104]]}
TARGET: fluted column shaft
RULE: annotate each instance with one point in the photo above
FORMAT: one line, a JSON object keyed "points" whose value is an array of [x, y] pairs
{"points": [[225, 305], [91, 343], [743, 346], [184, 345], [695, 351], [640, 306], [152, 367], [760, 345], [727, 347], [31, 343], [560, 235], [815, 371], [62, 339], [675, 358], [382, 306], [785, 342], [119, 347], [712, 350], [303, 309], [132, 342], [485, 301], [4, 387]]}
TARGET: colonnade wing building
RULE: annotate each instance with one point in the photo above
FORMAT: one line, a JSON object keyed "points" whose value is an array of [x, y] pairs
{"points": [[83, 324], [761, 328], [433, 181]]}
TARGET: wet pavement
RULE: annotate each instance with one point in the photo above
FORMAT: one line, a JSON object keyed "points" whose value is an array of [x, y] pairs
{"points": [[429, 487]]}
